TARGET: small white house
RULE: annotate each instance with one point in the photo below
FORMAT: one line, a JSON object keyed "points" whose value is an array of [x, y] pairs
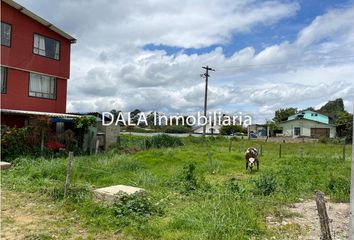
{"points": [[308, 124]]}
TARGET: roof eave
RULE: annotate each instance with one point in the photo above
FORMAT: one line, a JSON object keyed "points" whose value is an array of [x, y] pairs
{"points": [[39, 19], [307, 120]]}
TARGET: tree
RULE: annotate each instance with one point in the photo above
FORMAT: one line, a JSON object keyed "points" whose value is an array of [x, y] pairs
{"points": [[134, 116], [308, 109], [231, 129], [115, 113], [283, 114], [151, 118], [333, 109], [344, 124]]}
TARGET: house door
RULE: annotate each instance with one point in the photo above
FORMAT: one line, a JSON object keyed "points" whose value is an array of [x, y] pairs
{"points": [[296, 131], [320, 132]]}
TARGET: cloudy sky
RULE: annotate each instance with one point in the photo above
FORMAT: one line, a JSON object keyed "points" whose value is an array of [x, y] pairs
{"points": [[148, 54]]}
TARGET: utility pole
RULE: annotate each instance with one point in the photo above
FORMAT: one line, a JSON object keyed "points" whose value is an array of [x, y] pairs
{"points": [[206, 75], [351, 220]]}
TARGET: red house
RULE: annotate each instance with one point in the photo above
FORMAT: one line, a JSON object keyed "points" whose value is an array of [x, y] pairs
{"points": [[35, 65]]}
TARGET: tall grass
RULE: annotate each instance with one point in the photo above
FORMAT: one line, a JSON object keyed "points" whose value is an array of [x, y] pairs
{"points": [[232, 204]]}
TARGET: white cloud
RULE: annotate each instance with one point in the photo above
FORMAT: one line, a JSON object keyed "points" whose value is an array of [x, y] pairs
{"points": [[334, 24], [110, 68]]}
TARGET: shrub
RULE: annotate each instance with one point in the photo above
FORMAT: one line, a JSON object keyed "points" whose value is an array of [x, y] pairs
{"points": [[189, 180], [163, 140], [233, 185], [13, 142], [82, 125], [266, 184], [84, 122], [135, 205], [177, 129], [330, 140], [231, 129], [16, 142], [115, 147]]}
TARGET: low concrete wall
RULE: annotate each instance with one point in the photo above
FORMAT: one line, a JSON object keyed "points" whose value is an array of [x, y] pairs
{"points": [[287, 139]]}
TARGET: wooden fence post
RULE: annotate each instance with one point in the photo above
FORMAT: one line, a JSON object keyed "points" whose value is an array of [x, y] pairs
{"points": [[323, 217], [68, 173], [230, 145], [97, 145], [279, 150]]}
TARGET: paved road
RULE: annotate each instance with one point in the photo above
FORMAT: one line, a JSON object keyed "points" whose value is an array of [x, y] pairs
{"points": [[171, 134]]}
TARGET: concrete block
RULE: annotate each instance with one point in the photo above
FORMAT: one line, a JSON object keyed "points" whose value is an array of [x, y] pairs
{"points": [[5, 165], [112, 193]]}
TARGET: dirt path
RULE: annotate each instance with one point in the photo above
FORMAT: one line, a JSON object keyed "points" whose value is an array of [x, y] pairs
{"points": [[30, 216], [305, 216]]}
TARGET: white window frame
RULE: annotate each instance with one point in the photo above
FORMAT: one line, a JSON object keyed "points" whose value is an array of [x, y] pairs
{"points": [[39, 46], [6, 32], [42, 86]]}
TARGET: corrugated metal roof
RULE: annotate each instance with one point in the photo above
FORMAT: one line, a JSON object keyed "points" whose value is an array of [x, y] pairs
{"points": [[39, 19], [23, 112]]}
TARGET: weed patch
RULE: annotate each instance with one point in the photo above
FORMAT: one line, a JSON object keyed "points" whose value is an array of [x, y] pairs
{"points": [[136, 205], [265, 185], [163, 141]]}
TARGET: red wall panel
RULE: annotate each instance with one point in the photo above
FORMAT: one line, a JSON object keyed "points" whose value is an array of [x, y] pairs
{"points": [[16, 96], [20, 60], [20, 54]]}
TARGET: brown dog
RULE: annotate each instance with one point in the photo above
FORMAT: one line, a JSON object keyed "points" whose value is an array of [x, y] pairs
{"points": [[251, 156]]}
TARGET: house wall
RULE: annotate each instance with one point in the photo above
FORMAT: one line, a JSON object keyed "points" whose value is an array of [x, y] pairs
{"points": [[16, 96], [20, 61], [305, 127], [20, 54]]}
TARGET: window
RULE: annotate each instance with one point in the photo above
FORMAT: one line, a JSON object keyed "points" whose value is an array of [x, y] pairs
{"points": [[5, 34], [42, 86], [3, 79], [46, 47], [297, 131]]}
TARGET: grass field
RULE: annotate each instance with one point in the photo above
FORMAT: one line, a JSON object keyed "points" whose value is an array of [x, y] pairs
{"points": [[184, 200]]}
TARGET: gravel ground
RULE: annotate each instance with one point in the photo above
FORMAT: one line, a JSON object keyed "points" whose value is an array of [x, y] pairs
{"points": [[305, 216]]}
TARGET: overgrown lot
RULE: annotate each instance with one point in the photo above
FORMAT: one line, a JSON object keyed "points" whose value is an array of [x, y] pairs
{"points": [[184, 200]]}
